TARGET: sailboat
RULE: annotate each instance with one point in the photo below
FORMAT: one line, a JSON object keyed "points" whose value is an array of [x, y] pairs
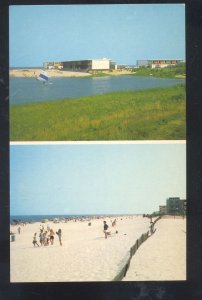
{"points": [[43, 77]]}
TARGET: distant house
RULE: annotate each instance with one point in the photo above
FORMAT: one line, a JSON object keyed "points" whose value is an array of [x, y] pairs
{"points": [[52, 65], [162, 63], [158, 63]]}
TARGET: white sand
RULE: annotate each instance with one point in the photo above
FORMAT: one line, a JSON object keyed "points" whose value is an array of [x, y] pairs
{"points": [[87, 256], [58, 73], [163, 255], [51, 73], [84, 256]]}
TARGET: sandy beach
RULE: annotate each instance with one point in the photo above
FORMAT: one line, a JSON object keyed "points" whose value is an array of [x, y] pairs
{"points": [[163, 255], [51, 73], [58, 73], [85, 255]]}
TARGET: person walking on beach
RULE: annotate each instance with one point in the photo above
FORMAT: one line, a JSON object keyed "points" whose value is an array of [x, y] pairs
{"points": [[35, 241], [114, 223], [151, 228], [105, 229], [59, 233], [41, 237], [51, 236], [19, 230], [46, 239]]}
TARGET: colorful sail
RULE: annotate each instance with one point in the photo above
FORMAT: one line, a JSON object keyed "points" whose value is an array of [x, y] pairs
{"points": [[43, 77]]}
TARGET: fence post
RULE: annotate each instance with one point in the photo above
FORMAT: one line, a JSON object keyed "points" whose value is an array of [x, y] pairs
{"points": [[133, 249]]}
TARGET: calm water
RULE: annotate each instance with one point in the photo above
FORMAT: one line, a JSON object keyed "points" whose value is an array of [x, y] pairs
{"points": [[27, 90]]}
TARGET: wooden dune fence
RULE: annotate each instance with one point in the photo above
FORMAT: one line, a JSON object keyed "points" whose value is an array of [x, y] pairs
{"points": [[133, 250]]}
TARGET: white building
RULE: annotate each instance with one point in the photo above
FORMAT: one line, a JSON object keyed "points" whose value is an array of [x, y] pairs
{"points": [[158, 63], [102, 64]]}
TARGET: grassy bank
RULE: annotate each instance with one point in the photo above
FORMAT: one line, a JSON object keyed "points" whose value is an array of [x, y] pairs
{"points": [[178, 71], [168, 72], [133, 115]]}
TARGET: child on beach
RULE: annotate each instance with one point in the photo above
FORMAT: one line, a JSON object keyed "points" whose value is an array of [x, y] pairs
{"points": [[46, 239], [41, 239], [59, 233], [35, 241], [51, 236], [114, 223]]}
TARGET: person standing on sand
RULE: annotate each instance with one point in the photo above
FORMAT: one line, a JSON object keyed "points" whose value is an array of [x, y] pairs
{"points": [[59, 233], [35, 241], [151, 227], [19, 230], [114, 223], [51, 236], [105, 229], [41, 237]]}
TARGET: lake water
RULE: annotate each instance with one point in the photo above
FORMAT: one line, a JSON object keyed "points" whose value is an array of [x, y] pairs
{"points": [[27, 90]]}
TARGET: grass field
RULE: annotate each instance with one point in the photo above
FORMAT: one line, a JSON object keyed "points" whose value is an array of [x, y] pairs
{"points": [[155, 114]]}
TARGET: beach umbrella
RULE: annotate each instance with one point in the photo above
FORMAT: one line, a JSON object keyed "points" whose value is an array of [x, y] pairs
{"points": [[44, 220], [56, 220]]}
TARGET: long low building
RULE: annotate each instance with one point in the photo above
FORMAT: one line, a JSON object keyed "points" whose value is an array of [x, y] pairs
{"points": [[158, 63], [89, 65]]}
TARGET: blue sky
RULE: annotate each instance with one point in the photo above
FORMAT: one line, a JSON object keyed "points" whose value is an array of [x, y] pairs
{"points": [[95, 179], [124, 33]]}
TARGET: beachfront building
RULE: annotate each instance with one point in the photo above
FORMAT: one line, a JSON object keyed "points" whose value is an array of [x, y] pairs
{"points": [[163, 63], [88, 65], [175, 206], [158, 63], [162, 209]]}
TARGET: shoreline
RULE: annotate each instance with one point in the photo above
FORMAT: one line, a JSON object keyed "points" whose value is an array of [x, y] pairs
{"points": [[32, 73]]}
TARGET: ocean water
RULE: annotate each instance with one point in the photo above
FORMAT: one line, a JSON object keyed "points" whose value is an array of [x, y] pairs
{"points": [[30, 90], [39, 218]]}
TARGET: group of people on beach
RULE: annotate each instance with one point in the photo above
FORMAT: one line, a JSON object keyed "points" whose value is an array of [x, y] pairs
{"points": [[46, 237], [106, 227]]}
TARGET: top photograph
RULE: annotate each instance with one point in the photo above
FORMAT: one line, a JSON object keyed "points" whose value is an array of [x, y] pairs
{"points": [[97, 72]]}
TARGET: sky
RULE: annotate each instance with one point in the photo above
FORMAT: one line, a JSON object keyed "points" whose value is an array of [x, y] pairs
{"points": [[95, 178], [123, 33]]}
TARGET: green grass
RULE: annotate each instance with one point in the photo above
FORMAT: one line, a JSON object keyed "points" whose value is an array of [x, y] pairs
{"points": [[155, 114], [168, 72]]}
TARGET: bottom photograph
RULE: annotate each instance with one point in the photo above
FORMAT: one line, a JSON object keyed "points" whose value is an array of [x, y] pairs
{"points": [[97, 212]]}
